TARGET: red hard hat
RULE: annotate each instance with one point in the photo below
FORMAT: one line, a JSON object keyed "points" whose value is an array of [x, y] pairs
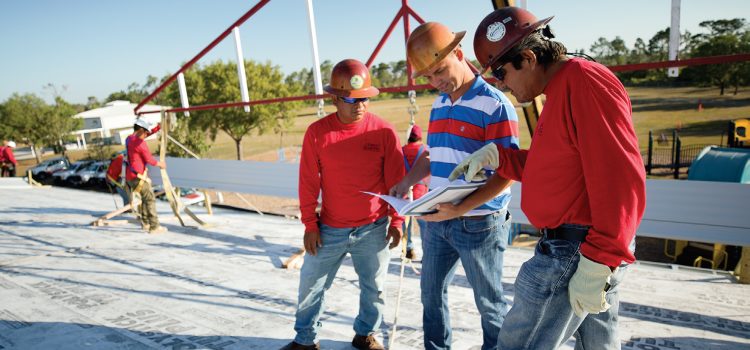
{"points": [[351, 78], [501, 30]]}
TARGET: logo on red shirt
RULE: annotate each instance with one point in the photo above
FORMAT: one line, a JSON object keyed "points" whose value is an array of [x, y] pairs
{"points": [[373, 147]]}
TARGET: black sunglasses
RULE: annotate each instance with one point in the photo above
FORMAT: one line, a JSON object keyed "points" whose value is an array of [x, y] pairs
{"points": [[352, 101], [499, 72]]}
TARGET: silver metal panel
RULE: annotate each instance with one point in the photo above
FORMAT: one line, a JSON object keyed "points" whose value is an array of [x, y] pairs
{"points": [[264, 178]]}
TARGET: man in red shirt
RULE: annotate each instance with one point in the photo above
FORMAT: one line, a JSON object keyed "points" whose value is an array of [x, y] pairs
{"points": [[412, 151], [583, 184], [343, 154], [7, 159], [137, 178]]}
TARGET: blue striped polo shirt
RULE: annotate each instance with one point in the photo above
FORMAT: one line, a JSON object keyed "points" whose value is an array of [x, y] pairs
{"points": [[482, 115]]}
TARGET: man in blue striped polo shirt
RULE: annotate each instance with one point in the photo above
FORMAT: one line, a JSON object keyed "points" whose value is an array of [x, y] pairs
{"points": [[468, 114]]}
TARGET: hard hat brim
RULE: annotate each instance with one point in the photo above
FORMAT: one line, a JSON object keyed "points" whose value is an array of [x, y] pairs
{"points": [[361, 93], [448, 49]]}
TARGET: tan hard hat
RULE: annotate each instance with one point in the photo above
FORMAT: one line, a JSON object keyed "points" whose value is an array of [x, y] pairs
{"points": [[429, 44], [351, 78]]}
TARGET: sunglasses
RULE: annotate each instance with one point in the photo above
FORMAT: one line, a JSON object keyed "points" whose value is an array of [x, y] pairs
{"points": [[499, 72], [352, 101]]}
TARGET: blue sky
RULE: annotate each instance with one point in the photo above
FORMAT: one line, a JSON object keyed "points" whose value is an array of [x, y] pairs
{"points": [[95, 47]]}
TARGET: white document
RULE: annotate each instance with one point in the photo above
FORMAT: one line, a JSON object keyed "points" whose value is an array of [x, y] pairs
{"points": [[453, 193]]}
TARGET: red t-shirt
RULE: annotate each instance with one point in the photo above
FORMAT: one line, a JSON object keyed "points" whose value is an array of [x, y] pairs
{"points": [[410, 154], [584, 165], [341, 160], [138, 157]]}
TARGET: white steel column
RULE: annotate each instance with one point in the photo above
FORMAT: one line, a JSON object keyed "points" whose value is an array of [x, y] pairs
{"points": [[241, 68], [316, 60], [183, 93], [674, 38]]}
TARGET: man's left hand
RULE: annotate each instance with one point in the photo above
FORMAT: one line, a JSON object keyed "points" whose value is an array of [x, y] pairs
{"points": [[394, 235], [588, 287], [445, 211]]}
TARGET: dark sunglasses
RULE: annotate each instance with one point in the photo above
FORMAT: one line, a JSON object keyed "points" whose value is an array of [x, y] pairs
{"points": [[352, 101], [499, 72]]}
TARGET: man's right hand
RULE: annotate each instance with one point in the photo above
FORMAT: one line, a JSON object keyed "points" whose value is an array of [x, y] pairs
{"points": [[472, 165], [400, 189], [161, 164], [312, 242]]}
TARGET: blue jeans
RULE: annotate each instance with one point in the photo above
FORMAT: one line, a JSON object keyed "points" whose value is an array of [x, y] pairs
{"points": [[369, 251], [409, 230], [541, 316], [479, 243]]}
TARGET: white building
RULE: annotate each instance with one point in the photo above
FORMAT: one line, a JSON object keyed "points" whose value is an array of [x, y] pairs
{"points": [[114, 121]]}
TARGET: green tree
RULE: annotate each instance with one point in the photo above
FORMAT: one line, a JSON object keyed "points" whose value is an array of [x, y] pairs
{"points": [[26, 117], [217, 82], [724, 37], [135, 92]]}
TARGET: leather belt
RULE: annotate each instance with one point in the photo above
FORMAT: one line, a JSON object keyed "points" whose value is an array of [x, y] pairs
{"points": [[568, 233]]}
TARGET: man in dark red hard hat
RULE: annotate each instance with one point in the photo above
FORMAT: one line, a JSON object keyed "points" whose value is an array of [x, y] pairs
{"points": [[343, 154], [583, 185]]}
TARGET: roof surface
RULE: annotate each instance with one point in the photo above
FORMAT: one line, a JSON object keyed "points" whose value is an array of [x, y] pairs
{"points": [[67, 285]]}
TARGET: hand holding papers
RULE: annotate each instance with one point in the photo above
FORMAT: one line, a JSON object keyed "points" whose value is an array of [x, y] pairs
{"points": [[453, 193]]}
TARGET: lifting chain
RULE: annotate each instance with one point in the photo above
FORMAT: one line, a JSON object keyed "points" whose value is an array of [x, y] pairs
{"points": [[321, 113], [413, 109]]}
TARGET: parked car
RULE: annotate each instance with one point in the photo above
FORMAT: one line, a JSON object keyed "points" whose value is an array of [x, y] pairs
{"points": [[88, 175], [188, 196], [61, 177], [45, 169]]}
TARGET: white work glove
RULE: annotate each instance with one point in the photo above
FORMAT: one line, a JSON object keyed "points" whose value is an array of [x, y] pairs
{"points": [[588, 287], [473, 164]]}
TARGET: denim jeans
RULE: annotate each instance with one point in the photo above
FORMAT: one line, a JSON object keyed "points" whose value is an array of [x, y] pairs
{"points": [[369, 251], [479, 242], [409, 230], [541, 316]]}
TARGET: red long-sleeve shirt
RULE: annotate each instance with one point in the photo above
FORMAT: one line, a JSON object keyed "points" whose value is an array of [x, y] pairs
{"points": [[138, 157], [411, 150], [584, 165], [341, 160], [6, 155]]}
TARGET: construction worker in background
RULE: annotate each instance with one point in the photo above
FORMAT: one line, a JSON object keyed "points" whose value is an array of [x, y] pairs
{"points": [[343, 154], [412, 151], [137, 177], [468, 114], [583, 184], [114, 176], [8, 161]]}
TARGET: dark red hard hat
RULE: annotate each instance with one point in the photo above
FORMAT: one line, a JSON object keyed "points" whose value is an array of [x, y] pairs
{"points": [[501, 30], [351, 78]]}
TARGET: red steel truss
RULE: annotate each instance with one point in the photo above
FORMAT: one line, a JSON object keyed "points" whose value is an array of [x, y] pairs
{"points": [[403, 13]]}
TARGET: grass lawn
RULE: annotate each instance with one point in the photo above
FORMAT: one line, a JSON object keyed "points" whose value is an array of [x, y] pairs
{"points": [[658, 109]]}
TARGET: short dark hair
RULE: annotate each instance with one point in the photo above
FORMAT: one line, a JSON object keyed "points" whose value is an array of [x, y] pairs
{"points": [[546, 50], [413, 138], [137, 127]]}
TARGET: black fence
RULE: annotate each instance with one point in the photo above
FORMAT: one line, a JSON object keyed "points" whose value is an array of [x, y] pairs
{"points": [[668, 153]]}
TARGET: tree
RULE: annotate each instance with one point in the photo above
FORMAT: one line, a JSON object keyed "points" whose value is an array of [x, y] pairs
{"points": [[724, 37], [135, 92], [27, 117], [92, 102], [24, 115], [217, 82]]}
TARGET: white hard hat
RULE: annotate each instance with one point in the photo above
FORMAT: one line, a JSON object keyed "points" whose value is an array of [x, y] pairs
{"points": [[143, 123], [11, 144]]}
